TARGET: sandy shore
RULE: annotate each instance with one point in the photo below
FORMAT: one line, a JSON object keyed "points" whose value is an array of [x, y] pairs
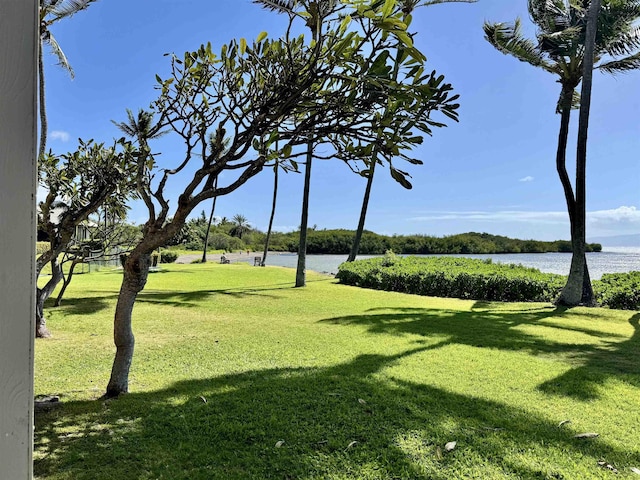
{"points": [[215, 257]]}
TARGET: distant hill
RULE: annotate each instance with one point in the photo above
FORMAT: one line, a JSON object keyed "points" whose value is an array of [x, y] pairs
{"points": [[632, 240]]}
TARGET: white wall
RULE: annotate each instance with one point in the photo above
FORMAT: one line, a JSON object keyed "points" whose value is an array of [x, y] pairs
{"points": [[18, 47]]}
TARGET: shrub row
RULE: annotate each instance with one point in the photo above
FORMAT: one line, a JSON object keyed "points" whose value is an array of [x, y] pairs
{"points": [[619, 290], [479, 280], [167, 256]]}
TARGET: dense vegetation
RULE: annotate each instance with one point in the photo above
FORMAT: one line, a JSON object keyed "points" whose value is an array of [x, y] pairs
{"points": [[223, 236], [480, 280]]}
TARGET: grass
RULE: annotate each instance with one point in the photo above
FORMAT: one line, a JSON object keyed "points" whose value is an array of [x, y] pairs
{"points": [[237, 375]]}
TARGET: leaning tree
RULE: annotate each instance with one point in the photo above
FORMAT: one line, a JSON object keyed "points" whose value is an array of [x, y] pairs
{"points": [[404, 13], [229, 109], [560, 50], [78, 184]]}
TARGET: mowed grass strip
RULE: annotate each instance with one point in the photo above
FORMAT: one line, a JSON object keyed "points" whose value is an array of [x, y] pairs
{"points": [[238, 375]]}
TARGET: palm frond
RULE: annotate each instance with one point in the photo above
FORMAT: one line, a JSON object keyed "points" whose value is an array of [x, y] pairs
{"points": [[622, 65], [57, 51], [508, 39], [428, 3], [625, 43], [67, 8], [281, 6]]}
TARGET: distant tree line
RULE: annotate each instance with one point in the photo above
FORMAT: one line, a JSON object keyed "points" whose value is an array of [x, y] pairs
{"points": [[226, 235]]}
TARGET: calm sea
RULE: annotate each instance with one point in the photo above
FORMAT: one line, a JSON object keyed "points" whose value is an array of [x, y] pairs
{"points": [[610, 260]]}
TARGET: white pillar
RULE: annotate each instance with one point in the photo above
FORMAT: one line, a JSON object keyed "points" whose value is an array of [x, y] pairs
{"points": [[18, 49]]}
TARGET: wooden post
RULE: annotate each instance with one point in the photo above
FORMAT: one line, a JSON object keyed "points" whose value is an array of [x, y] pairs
{"points": [[18, 77]]}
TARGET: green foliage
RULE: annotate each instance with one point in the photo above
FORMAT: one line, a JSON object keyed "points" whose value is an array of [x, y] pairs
{"points": [[481, 280], [454, 278], [42, 247], [619, 290], [168, 256], [339, 241]]}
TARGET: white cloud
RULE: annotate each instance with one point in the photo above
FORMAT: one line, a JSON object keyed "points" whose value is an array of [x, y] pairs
{"points": [[621, 214], [59, 135], [624, 215], [528, 178], [501, 216]]}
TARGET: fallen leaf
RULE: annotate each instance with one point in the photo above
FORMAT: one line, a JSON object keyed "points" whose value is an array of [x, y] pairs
{"points": [[361, 401], [635, 470], [438, 453], [564, 422], [608, 466], [587, 435], [279, 443], [450, 446], [203, 399], [351, 445]]}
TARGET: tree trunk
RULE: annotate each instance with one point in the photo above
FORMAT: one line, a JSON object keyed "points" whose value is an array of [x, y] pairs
{"points": [[363, 211], [66, 282], [43, 108], [42, 294], [273, 213], [206, 237], [136, 270], [302, 247], [578, 289]]}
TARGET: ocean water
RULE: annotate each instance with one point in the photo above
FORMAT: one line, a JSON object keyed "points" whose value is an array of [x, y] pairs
{"points": [[610, 260]]}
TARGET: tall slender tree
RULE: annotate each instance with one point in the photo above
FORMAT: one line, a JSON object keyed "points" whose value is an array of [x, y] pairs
{"points": [[52, 11], [407, 7], [317, 11], [206, 235], [560, 49]]}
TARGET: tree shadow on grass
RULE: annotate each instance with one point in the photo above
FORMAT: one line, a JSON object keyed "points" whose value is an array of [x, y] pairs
{"points": [[600, 356], [195, 298], [342, 421], [619, 359]]}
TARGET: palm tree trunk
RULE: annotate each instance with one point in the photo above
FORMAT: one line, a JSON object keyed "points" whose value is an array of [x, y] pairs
{"points": [[578, 289], [206, 237], [363, 211], [43, 109], [302, 247], [273, 213], [136, 270]]}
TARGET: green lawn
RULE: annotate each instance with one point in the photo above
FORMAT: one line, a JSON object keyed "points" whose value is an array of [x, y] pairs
{"points": [[237, 375]]}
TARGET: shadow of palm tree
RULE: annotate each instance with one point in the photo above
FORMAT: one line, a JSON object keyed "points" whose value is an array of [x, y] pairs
{"points": [[227, 427]]}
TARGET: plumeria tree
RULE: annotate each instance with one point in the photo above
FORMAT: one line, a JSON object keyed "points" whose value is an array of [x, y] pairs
{"points": [[228, 110], [78, 184]]}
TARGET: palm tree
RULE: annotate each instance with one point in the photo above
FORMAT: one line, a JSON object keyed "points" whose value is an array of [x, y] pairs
{"points": [[276, 168], [407, 7], [52, 11], [240, 226], [560, 50], [317, 10], [206, 236]]}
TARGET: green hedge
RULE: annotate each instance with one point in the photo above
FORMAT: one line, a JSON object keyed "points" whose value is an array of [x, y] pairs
{"points": [[619, 290], [480, 280], [167, 256]]}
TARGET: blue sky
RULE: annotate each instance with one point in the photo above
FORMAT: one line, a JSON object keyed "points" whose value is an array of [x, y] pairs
{"points": [[492, 172]]}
